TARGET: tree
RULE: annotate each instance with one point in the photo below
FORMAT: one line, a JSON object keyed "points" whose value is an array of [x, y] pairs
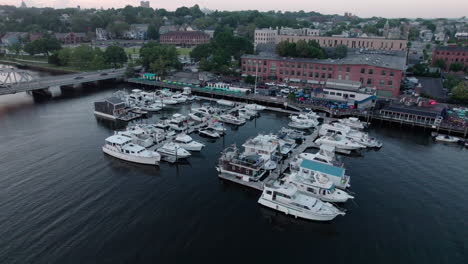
{"points": [[159, 58], [153, 33], [340, 51], [130, 70], [15, 47], [249, 79], [460, 93], [30, 48], [440, 63], [456, 67], [118, 28], [115, 55], [82, 57], [64, 56]]}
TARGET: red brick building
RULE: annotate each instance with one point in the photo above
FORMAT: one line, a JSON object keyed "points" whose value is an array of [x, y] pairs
{"points": [[451, 54], [383, 72], [71, 38], [184, 38]]}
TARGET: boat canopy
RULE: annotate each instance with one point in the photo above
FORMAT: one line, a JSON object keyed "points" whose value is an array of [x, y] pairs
{"points": [[322, 167]]}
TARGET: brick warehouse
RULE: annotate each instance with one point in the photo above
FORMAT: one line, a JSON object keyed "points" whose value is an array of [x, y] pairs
{"points": [[382, 71], [451, 54], [184, 38]]}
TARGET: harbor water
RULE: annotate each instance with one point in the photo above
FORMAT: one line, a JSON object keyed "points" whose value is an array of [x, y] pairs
{"points": [[64, 201]]}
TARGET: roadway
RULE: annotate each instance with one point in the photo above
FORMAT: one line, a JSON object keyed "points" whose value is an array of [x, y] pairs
{"points": [[61, 80]]}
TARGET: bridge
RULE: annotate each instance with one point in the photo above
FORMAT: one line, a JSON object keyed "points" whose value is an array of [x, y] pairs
{"points": [[16, 80]]}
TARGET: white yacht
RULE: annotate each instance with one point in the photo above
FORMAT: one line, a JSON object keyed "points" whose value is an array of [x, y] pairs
{"points": [[209, 132], [340, 142], [300, 125], [122, 148], [206, 110], [306, 119], [168, 101], [358, 136], [326, 155], [266, 146], [225, 102], [197, 116], [255, 107], [230, 119], [178, 122], [287, 199], [152, 107], [334, 171], [447, 138], [187, 142], [353, 122], [179, 98], [174, 150], [218, 127], [247, 113], [318, 185]]}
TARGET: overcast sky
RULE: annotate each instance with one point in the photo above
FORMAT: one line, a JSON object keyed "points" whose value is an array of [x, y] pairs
{"points": [[362, 8]]}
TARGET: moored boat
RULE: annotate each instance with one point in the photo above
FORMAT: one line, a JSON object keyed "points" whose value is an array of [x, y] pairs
{"points": [[122, 148]]}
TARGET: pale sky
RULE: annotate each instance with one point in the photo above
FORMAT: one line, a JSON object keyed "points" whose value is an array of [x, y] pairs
{"points": [[362, 8]]}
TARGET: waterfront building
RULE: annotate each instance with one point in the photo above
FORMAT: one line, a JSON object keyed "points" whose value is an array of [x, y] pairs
{"points": [[111, 107], [345, 91], [383, 72], [415, 110], [451, 54], [71, 37], [184, 38]]}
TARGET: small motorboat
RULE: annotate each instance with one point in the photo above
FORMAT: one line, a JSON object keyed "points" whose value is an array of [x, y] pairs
{"points": [[255, 107], [230, 119], [187, 142], [173, 150], [197, 116], [209, 132], [300, 125], [151, 108], [225, 102], [447, 138]]}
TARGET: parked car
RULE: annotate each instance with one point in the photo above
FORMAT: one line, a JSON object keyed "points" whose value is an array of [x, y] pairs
{"points": [[78, 77]]}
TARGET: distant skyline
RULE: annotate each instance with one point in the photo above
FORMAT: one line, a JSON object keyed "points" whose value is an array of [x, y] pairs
{"points": [[361, 8]]}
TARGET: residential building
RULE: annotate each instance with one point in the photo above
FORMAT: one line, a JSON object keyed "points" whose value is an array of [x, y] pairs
{"points": [[168, 28], [461, 35], [71, 37], [184, 38], [13, 37], [299, 31], [380, 71], [440, 36], [426, 35], [354, 43], [145, 4], [101, 34], [265, 36], [137, 31], [35, 35], [450, 54]]}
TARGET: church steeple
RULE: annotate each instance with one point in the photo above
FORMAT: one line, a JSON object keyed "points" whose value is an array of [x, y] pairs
{"points": [[23, 4]]}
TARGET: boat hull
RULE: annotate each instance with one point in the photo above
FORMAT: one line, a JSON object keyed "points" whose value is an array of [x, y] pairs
{"points": [[134, 159], [289, 210]]}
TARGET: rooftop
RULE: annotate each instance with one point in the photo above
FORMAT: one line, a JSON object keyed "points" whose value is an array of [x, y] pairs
{"points": [[452, 48], [375, 59], [185, 33], [322, 167]]}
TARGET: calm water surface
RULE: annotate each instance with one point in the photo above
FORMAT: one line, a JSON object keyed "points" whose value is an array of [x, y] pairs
{"points": [[63, 201]]}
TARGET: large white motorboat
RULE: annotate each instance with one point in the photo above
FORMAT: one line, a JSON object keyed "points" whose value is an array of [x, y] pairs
{"points": [[303, 118], [300, 124], [218, 127], [353, 122], [447, 138], [291, 134], [179, 98], [168, 101], [225, 102], [206, 110], [266, 146], [152, 107], [287, 199], [318, 185], [358, 136], [255, 107], [245, 113], [248, 168], [340, 142], [197, 116], [209, 132], [178, 122], [326, 154], [174, 150], [230, 119], [122, 148], [333, 170], [188, 143]]}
